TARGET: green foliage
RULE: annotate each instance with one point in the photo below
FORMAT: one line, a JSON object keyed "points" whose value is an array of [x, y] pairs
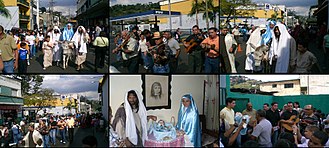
{"points": [[3, 11], [44, 97], [31, 84], [228, 8], [121, 10]]}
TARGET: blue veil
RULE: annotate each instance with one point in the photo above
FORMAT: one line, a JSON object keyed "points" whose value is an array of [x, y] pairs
{"points": [[189, 121], [67, 34], [268, 34]]}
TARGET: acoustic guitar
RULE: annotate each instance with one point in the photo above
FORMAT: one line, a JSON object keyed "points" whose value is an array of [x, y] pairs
{"points": [[191, 44], [293, 118]]}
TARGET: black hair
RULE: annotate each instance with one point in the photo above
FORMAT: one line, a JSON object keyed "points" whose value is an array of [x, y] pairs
{"points": [[274, 103], [229, 100], [132, 92], [303, 43], [102, 34], [213, 28], [290, 103], [250, 143], [195, 26], [283, 143], [266, 104], [146, 31], [90, 140], [322, 136], [261, 113], [23, 44]]}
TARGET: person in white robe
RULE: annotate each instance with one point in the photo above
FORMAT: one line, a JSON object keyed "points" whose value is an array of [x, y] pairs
{"points": [[231, 43], [254, 41], [57, 51], [282, 54], [80, 39]]}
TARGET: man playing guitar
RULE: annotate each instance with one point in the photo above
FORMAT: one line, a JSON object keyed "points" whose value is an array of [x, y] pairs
{"points": [[194, 50], [285, 117], [211, 44]]}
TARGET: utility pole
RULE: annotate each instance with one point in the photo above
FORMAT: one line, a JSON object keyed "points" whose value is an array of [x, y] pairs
{"points": [[207, 17], [37, 14], [170, 22]]}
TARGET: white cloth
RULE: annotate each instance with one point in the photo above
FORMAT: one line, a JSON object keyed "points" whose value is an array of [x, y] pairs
{"points": [[36, 137], [30, 39], [284, 48], [252, 44], [83, 37], [131, 132], [142, 45], [229, 42]]}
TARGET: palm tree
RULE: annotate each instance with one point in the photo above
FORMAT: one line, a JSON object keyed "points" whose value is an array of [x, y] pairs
{"points": [[201, 7], [3, 10], [196, 7]]}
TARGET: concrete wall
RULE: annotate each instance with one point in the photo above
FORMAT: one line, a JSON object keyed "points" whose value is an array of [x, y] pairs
{"points": [[267, 87], [13, 84], [105, 98]]}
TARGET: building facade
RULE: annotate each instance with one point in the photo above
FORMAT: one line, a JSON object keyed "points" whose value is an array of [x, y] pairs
{"points": [[92, 12], [314, 84], [184, 21], [11, 99], [24, 11], [282, 88]]}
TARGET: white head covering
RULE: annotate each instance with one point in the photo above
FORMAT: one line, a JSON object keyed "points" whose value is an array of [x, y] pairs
{"points": [[130, 121], [255, 40], [281, 48], [78, 36]]}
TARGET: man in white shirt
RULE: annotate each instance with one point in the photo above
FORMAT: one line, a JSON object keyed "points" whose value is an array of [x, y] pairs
{"points": [[30, 38], [227, 113]]}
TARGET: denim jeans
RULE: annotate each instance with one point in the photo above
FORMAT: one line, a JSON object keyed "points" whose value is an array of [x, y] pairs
{"points": [[161, 69], [8, 67], [45, 139], [53, 136], [32, 49], [147, 60], [17, 137], [212, 65], [63, 135], [274, 137]]}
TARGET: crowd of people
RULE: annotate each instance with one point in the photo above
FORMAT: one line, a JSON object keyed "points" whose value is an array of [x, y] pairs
{"points": [[48, 130], [160, 51], [274, 48], [19, 47], [291, 126]]}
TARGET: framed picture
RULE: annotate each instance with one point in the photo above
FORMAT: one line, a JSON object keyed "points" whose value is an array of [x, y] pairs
{"points": [[156, 91]]}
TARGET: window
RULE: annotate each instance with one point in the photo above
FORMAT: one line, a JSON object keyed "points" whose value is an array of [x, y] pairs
{"points": [[274, 85], [289, 85], [14, 92]]}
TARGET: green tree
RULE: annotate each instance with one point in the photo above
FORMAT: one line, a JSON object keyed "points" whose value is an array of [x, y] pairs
{"points": [[44, 97], [196, 8], [228, 8], [31, 84], [3, 10]]}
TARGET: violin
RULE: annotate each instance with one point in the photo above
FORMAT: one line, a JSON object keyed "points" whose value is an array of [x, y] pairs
{"points": [[119, 48]]}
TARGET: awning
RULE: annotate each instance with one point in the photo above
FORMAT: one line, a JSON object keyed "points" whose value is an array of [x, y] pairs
{"points": [[7, 100], [146, 15]]}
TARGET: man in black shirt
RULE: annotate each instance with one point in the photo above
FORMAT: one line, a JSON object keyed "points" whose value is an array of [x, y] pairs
{"points": [[273, 116], [287, 114], [195, 55], [52, 132]]}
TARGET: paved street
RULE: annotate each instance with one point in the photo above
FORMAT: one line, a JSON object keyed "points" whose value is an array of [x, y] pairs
{"points": [[79, 134], [37, 65]]}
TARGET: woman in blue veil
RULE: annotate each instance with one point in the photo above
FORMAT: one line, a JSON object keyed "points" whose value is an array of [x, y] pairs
{"points": [[267, 36], [188, 120], [67, 33]]}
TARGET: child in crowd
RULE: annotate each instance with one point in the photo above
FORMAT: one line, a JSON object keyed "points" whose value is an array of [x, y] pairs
{"points": [[22, 55]]}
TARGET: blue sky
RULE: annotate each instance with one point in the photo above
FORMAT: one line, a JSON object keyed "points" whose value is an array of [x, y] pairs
{"points": [[82, 84], [61, 5]]}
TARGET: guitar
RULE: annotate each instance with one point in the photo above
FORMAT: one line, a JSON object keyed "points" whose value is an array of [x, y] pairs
{"points": [[191, 44], [293, 118]]}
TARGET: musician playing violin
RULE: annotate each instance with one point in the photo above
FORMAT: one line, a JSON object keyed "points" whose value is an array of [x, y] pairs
{"points": [[194, 56], [129, 48], [308, 118], [211, 46]]}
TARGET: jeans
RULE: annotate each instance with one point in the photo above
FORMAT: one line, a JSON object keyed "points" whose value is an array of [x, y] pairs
{"points": [[147, 60], [45, 139], [53, 136], [173, 64], [17, 137], [32, 49], [8, 66], [161, 69], [63, 137], [22, 66], [212, 65], [274, 137], [133, 65]]}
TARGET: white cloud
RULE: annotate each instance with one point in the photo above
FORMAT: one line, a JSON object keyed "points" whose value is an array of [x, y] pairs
{"points": [[300, 10], [51, 77], [126, 2]]}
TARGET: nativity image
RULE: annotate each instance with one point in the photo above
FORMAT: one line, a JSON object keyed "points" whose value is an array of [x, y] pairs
{"points": [[164, 110]]}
